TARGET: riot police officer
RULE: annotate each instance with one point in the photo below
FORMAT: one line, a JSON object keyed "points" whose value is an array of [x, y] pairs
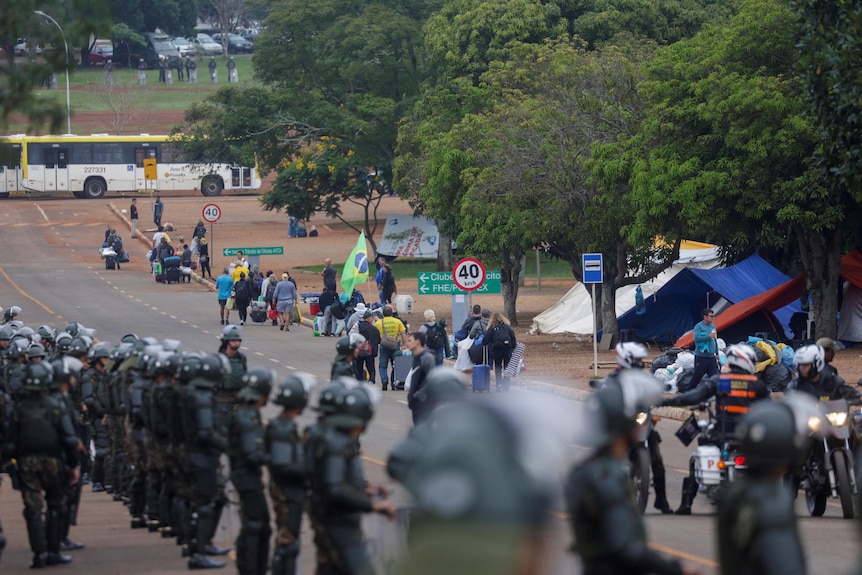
{"points": [[94, 379], [286, 460], [757, 531], [338, 490], [735, 388], [609, 532], [204, 445], [245, 450], [345, 349], [44, 443]]}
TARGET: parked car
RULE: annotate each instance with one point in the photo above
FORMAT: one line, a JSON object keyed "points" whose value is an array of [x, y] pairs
{"points": [[208, 46], [101, 53], [184, 47], [236, 44], [21, 48]]}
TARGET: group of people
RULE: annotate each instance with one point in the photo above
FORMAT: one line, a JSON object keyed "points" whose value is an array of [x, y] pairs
{"points": [[239, 287]]}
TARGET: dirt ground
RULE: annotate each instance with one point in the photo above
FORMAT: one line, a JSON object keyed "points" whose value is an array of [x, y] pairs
{"points": [[564, 359]]}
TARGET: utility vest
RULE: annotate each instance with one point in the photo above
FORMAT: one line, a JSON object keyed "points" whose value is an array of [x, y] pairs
{"points": [[736, 392]]}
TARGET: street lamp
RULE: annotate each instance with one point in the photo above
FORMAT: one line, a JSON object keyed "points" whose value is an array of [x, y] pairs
{"points": [[68, 101]]}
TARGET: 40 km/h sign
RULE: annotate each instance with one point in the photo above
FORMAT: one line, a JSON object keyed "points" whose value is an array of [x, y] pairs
{"points": [[211, 213], [468, 274]]}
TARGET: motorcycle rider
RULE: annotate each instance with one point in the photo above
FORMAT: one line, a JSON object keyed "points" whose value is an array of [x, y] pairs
{"points": [[610, 535], [735, 388], [630, 355], [815, 378], [757, 530]]}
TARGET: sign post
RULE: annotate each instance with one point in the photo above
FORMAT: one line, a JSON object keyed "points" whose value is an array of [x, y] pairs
{"points": [[211, 213], [593, 274]]}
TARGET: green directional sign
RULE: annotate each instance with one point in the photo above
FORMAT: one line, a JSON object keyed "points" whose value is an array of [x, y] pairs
{"points": [[271, 251], [440, 283]]}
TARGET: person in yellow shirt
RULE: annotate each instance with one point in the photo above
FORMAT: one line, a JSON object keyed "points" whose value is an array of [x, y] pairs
{"points": [[392, 336]]}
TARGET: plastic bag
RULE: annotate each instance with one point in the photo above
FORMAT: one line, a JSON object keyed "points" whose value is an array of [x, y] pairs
{"points": [[463, 363], [231, 302]]}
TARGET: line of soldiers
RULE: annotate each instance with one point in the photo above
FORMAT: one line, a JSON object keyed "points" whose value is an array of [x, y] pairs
{"points": [[160, 420]]}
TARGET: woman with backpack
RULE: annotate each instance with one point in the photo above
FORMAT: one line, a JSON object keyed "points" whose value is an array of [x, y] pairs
{"points": [[500, 342], [436, 339]]}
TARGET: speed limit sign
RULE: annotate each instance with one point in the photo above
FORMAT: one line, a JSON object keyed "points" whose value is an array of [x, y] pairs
{"points": [[469, 274], [211, 213]]}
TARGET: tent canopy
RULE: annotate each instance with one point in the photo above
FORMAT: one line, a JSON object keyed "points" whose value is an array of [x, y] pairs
{"points": [[676, 307]]}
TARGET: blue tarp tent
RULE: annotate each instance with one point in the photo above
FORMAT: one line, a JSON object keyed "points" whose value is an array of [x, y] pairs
{"points": [[675, 308]]}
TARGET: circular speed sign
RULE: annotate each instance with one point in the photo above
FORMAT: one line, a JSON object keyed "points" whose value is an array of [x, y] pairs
{"points": [[469, 274], [211, 213]]}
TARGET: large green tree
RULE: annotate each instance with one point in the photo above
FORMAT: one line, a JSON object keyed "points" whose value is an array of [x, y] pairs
{"points": [[78, 19]]}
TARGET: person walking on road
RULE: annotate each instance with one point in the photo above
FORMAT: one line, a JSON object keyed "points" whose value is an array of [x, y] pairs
{"points": [[423, 363], [224, 286], [500, 341], [204, 258], [133, 216], [158, 209], [705, 349], [242, 289], [284, 297], [392, 336]]}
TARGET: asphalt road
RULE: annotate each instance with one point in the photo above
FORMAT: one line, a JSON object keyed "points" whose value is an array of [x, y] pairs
{"points": [[49, 266]]}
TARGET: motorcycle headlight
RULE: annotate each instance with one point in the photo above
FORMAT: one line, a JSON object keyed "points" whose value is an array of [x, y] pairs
{"points": [[641, 418], [814, 424], [837, 418]]}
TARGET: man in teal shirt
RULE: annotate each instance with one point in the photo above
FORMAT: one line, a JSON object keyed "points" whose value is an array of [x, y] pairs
{"points": [[224, 285], [705, 349]]}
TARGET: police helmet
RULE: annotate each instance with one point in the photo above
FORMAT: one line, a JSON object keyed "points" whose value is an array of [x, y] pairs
{"points": [[620, 404], [65, 368], [354, 408], [741, 356], [347, 344], [211, 370], [45, 332], [443, 384], [11, 313], [27, 332], [38, 376], [129, 338], [328, 397], [171, 345], [72, 328], [631, 354], [293, 392], [190, 366], [810, 355], [775, 433], [259, 382], [231, 333], [100, 350], [63, 342], [6, 332], [162, 362], [78, 347], [36, 350], [18, 348]]}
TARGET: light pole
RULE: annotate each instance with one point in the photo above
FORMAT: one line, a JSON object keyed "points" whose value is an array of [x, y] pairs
{"points": [[66, 45]]}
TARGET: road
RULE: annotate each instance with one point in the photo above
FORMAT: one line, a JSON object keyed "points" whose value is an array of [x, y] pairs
{"points": [[49, 266]]}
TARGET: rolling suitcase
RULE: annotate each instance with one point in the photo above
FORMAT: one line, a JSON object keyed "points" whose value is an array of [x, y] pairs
{"points": [[172, 275], [110, 262], [403, 364], [481, 377], [172, 262], [258, 312]]}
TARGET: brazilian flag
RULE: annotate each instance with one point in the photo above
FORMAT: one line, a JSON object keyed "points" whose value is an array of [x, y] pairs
{"points": [[356, 267]]}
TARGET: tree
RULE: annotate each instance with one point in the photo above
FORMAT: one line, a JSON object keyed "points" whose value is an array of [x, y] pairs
{"points": [[78, 18]]}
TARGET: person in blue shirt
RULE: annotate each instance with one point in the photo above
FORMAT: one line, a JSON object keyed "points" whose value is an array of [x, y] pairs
{"points": [[224, 286], [158, 208], [705, 349]]}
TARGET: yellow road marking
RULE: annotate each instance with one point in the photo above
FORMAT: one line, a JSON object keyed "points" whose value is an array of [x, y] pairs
{"points": [[25, 294], [374, 461]]}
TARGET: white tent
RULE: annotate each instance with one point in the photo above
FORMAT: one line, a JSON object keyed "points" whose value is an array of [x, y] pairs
{"points": [[574, 312]]}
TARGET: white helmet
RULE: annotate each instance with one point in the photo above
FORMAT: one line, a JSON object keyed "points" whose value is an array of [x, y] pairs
{"points": [[810, 355], [741, 356], [629, 353]]}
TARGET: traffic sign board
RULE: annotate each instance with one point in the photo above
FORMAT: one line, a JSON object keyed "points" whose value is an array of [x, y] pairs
{"points": [[593, 268], [211, 213], [440, 283], [270, 251], [468, 274]]}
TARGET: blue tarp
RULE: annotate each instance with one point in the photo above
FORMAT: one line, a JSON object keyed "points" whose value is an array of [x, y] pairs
{"points": [[675, 308]]}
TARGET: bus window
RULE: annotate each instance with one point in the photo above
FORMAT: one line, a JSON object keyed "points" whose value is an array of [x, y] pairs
{"points": [[234, 177], [62, 158], [142, 153], [246, 177], [104, 153], [48, 157], [81, 153], [172, 155]]}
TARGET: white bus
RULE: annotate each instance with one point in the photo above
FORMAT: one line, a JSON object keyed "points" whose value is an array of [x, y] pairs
{"points": [[90, 166]]}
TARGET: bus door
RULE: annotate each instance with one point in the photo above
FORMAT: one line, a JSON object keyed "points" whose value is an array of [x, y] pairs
{"points": [[56, 160], [142, 154], [241, 178]]}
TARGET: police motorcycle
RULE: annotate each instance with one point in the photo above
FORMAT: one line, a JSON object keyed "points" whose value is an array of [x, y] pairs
{"points": [[716, 461], [640, 469], [829, 469]]}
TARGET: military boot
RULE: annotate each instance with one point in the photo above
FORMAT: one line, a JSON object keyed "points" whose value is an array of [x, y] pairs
{"points": [[284, 559], [54, 529], [204, 561], [689, 492], [660, 502]]}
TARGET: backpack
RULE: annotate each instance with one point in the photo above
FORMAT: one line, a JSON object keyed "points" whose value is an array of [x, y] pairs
{"points": [[337, 309], [434, 337], [501, 341], [118, 245], [242, 291], [387, 341]]}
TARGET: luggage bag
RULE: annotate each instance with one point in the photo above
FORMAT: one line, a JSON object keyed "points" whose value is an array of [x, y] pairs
{"points": [[172, 262], [403, 364], [110, 262], [172, 275]]}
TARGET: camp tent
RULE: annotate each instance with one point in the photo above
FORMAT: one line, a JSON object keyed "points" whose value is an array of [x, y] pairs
{"points": [[675, 308], [573, 313], [787, 295]]}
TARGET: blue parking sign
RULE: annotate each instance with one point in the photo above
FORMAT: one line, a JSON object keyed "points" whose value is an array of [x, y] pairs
{"points": [[592, 266]]}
